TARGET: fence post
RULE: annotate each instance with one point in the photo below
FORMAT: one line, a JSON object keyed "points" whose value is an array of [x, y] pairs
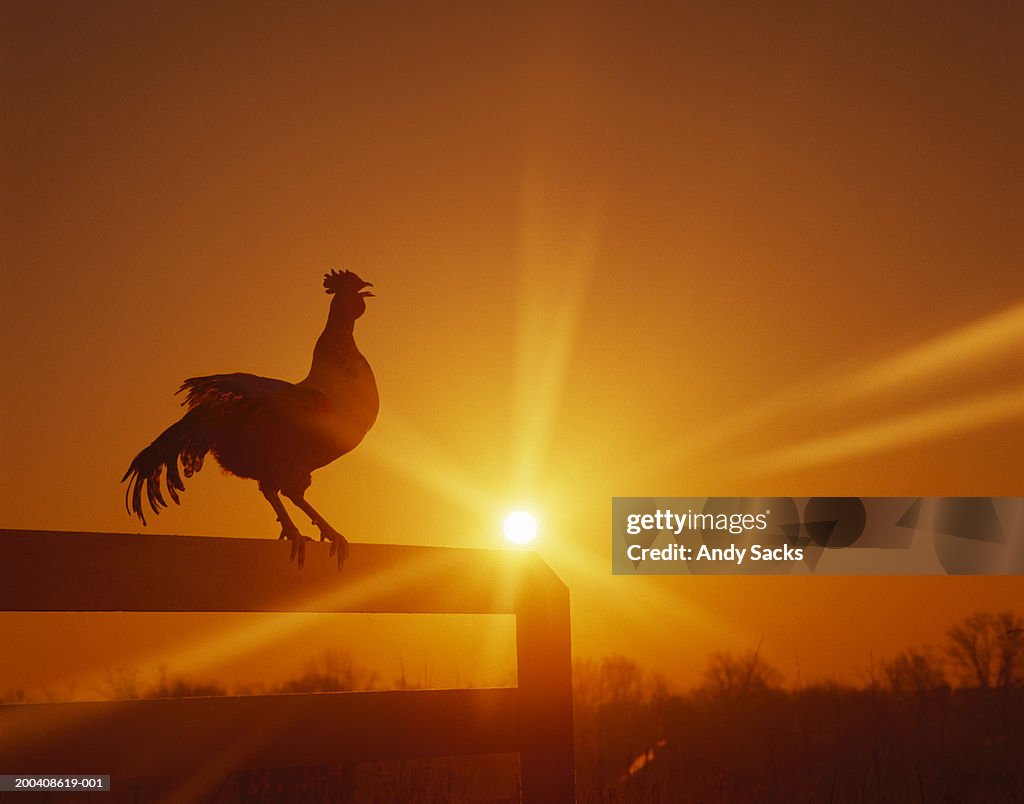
{"points": [[544, 659]]}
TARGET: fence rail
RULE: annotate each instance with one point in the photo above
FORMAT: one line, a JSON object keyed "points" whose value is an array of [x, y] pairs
{"points": [[201, 740]]}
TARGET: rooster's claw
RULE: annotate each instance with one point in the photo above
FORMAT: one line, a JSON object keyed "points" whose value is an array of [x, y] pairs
{"points": [[298, 544], [340, 546]]}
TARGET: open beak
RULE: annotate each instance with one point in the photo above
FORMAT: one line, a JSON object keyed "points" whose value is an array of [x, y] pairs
{"points": [[366, 292]]}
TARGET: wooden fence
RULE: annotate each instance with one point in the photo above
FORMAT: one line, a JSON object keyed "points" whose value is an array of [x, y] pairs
{"points": [[196, 742]]}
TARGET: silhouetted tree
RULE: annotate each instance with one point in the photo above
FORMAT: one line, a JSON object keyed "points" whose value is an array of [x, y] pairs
{"points": [[915, 672], [173, 686], [121, 684], [332, 672], [987, 650], [740, 676], [613, 679]]}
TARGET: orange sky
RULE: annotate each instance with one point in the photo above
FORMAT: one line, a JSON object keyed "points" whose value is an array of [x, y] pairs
{"points": [[643, 251]]}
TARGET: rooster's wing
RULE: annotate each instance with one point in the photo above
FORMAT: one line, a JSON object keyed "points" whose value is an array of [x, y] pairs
{"points": [[251, 392]]}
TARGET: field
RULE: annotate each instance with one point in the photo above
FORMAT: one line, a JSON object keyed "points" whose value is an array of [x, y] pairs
{"points": [[907, 735]]}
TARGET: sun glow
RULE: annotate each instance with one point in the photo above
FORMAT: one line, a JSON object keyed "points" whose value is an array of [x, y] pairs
{"points": [[520, 527]]}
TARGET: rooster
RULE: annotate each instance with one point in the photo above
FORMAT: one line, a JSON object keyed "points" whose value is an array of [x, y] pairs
{"points": [[272, 431]]}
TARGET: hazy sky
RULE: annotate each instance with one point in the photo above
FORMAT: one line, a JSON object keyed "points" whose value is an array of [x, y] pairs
{"points": [[715, 248]]}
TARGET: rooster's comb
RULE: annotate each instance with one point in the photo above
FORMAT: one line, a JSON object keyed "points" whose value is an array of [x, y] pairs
{"points": [[343, 281]]}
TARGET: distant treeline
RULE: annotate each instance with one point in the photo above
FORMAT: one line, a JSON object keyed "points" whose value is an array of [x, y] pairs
{"points": [[934, 723]]}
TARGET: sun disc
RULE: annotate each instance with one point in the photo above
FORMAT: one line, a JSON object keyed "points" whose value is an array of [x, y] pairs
{"points": [[520, 527]]}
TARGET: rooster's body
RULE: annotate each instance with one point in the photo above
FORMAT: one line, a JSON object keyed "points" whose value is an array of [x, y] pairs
{"points": [[272, 431]]}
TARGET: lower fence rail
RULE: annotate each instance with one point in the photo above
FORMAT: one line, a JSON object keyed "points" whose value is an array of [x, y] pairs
{"points": [[194, 743]]}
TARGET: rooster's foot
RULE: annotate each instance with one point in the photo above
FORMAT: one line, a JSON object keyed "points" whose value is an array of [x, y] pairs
{"points": [[339, 544], [298, 543]]}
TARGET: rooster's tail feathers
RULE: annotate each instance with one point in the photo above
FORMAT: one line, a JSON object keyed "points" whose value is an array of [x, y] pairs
{"points": [[185, 440]]}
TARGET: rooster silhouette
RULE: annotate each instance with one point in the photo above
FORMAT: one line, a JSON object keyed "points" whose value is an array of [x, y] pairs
{"points": [[272, 431]]}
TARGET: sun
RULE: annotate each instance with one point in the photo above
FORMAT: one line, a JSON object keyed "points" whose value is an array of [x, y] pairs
{"points": [[520, 527]]}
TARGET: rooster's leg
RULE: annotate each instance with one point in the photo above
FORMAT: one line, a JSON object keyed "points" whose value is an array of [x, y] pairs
{"points": [[288, 529], [338, 542]]}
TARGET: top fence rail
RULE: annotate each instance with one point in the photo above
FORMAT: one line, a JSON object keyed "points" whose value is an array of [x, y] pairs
{"points": [[73, 571]]}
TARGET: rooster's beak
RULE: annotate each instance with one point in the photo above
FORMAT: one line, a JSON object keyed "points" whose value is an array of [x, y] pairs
{"points": [[366, 292]]}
